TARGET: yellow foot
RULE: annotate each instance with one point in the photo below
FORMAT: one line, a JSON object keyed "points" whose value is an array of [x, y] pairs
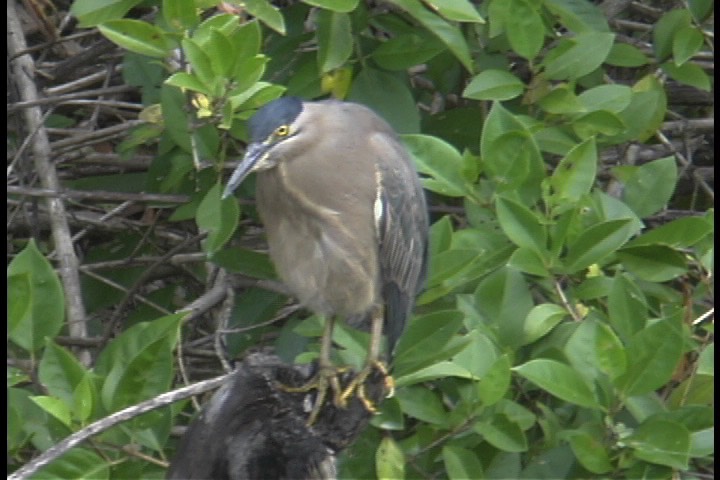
{"points": [[357, 386], [326, 379]]}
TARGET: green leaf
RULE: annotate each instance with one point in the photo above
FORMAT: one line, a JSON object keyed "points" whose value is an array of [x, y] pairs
{"points": [[687, 41], [654, 352], [441, 161], [575, 174], [524, 27], [689, 74], [422, 403], [596, 243], [342, 6], [508, 159], [389, 459], [335, 41], [180, 14], [494, 85], [597, 123], [587, 51], [559, 380], [218, 217], [77, 463], [578, 15], [449, 34], [665, 30], [495, 383], [541, 319], [649, 187], [521, 225], [425, 336], [60, 372], [267, 13], [91, 13], [388, 95], [147, 373], [701, 9], [590, 451], [627, 307], [646, 111], [611, 358], [662, 442], [461, 463], [654, 263], [561, 99], [200, 62], [614, 98], [247, 262], [407, 50], [457, 10], [626, 55], [504, 300], [679, 233], [188, 81], [85, 397], [36, 305], [55, 407], [502, 433], [529, 261], [442, 369], [136, 36]]}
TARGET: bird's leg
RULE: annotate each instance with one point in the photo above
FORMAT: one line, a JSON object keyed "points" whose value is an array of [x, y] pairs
{"points": [[357, 384], [326, 376]]}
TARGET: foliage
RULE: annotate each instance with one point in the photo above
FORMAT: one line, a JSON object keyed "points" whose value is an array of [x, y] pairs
{"points": [[563, 329]]}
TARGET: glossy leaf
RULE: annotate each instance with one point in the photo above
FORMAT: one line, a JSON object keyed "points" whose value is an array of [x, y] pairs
{"points": [[91, 13], [524, 27], [441, 161], [649, 187], [218, 217], [627, 307], [587, 52], [689, 74], [679, 233], [447, 33], [461, 463], [559, 380], [654, 352], [654, 263], [662, 442], [36, 305], [389, 96], [342, 6], [60, 372], [578, 15], [335, 41], [541, 319], [575, 175], [389, 459], [458, 10], [503, 434], [521, 225], [267, 13], [136, 36], [494, 85], [590, 451], [495, 383], [596, 243]]}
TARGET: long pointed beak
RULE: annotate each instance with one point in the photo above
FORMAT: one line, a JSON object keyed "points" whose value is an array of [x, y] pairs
{"points": [[253, 154]]}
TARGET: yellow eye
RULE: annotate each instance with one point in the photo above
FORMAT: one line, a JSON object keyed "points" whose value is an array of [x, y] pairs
{"points": [[282, 131]]}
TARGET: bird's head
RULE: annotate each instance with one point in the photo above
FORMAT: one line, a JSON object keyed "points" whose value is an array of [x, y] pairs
{"points": [[272, 126]]}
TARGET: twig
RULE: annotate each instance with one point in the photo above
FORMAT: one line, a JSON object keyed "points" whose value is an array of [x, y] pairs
{"points": [[23, 69], [111, 420]]}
